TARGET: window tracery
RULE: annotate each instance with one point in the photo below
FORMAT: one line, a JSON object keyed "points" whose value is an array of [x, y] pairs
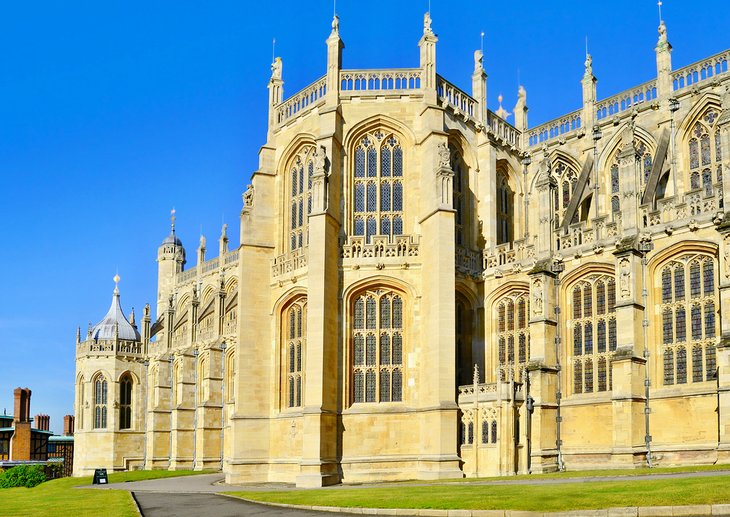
{"points": [[593, 333], [513, 335], [295, 332], [300, 199], [705, 153], [566, 178], [694, 338], [505, 209], [377, 347], [100, 402], [378, 186], [125, 401]]}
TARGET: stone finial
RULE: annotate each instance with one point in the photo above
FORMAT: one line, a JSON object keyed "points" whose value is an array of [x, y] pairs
{"points": [[522, 95], [662, 36], [320, 161], [224, 231], [501, 112], [248, 196], [589, 65], [335, 25], [202, 241]]}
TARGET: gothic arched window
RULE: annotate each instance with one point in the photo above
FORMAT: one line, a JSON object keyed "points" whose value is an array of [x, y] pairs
{"points": [[125, 401], [505, 209], [689, 320], [593, 332], [461, 184], [705, 153], [513, 335], [100, 402], [377, 347], [566, 178], [295, 334], [300, 199], [378, 186]]}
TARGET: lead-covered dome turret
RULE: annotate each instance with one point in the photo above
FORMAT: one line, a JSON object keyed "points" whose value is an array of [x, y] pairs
{"points": [[115, 324]]}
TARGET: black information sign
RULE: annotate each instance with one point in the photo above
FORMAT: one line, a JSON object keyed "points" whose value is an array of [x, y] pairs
{"points": [[100, 477]]}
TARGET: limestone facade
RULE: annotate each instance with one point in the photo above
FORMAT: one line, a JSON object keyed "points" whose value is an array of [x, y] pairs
{"points": [[432, 291]]}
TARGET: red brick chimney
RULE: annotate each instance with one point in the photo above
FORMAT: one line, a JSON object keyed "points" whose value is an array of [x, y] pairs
{"points": [[69, 422], [20, 443], [43, 422]]}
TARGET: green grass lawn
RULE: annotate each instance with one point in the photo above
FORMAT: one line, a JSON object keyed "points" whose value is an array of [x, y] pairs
{"points": [[58, 497], [552, 497]]}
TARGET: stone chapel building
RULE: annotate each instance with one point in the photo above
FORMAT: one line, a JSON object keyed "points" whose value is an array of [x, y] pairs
{"points": [[425, 290]]}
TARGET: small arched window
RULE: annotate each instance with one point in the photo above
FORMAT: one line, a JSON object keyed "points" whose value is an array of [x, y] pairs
{"points": [[566, 179], [378, 186], [100, 402], [125, 401]]}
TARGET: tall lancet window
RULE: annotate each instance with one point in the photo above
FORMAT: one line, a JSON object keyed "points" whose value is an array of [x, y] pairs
{"points": [[705, 153], [125, 402], [377, 347], [378, 186], [689, 322], [567, 178], [593, 332], [461, 186], [100, 402], [295, 332], [505, 209], [300, 200], [513, 335]]}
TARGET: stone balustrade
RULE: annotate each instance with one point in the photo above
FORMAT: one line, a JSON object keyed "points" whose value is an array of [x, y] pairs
{"points": [[361, 82], [289, 262], [381, 246], [452, 96], [554, 128], [626, 100], [502, 129], [301, 102], [708, 68]]}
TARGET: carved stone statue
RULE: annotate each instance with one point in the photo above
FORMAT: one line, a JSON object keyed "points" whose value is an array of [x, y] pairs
{"points": [[589, 65], [248, 196], [537, 308], [444, 156], [427, 23], [320, 160], [478, 60], [276, 68], [625, 278]]}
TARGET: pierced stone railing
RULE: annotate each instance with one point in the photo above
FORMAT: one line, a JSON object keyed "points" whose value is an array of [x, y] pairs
{"points": [[110, 347], [503, 129], [231, 257], [625, 100], [503, 254], [210, 265], [554, 128], [381, 246], [481, 388], [701, 71], [469, 262], [289, 262], [393, 80], [302, 101], [186, 275], [230, 327], [695, 204], [452, 96]]}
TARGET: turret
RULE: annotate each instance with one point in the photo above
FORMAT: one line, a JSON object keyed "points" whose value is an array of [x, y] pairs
{"points": [[170, 262]]}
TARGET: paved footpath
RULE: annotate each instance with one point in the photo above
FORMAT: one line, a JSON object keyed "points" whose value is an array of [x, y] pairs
{"points": [[197, 496]]}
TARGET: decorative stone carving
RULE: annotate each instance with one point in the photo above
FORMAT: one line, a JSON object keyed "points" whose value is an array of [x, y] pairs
{"points": [[625, 278], [444, 156], [537, 307], [726, 256], [276, 68], [248, 197]]}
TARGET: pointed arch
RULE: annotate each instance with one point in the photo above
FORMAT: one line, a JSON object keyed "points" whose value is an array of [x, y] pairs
{"points": [[705, 101]]}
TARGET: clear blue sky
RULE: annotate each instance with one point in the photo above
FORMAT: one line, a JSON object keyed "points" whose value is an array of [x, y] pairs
{"points": [[111, 113]]}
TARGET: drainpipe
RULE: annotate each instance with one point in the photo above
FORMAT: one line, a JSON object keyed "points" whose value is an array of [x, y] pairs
{"points": [[529, 405], [558, 267], [146, 365], [223, 400], [645, 246], [195, 401]]}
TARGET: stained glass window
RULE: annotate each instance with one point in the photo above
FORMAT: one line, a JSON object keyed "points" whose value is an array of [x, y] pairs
{"points": [[512, 334], [710, 363], [615, 186], [705, 150], [601, 336], [694, 181], [485, 431], [378, 353], [375, 191], [707, 181], [296, 318], [300, 196], [600, 298], [676, 307], [578, 377], [494, 431], [601, 374], [694, 155]]}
